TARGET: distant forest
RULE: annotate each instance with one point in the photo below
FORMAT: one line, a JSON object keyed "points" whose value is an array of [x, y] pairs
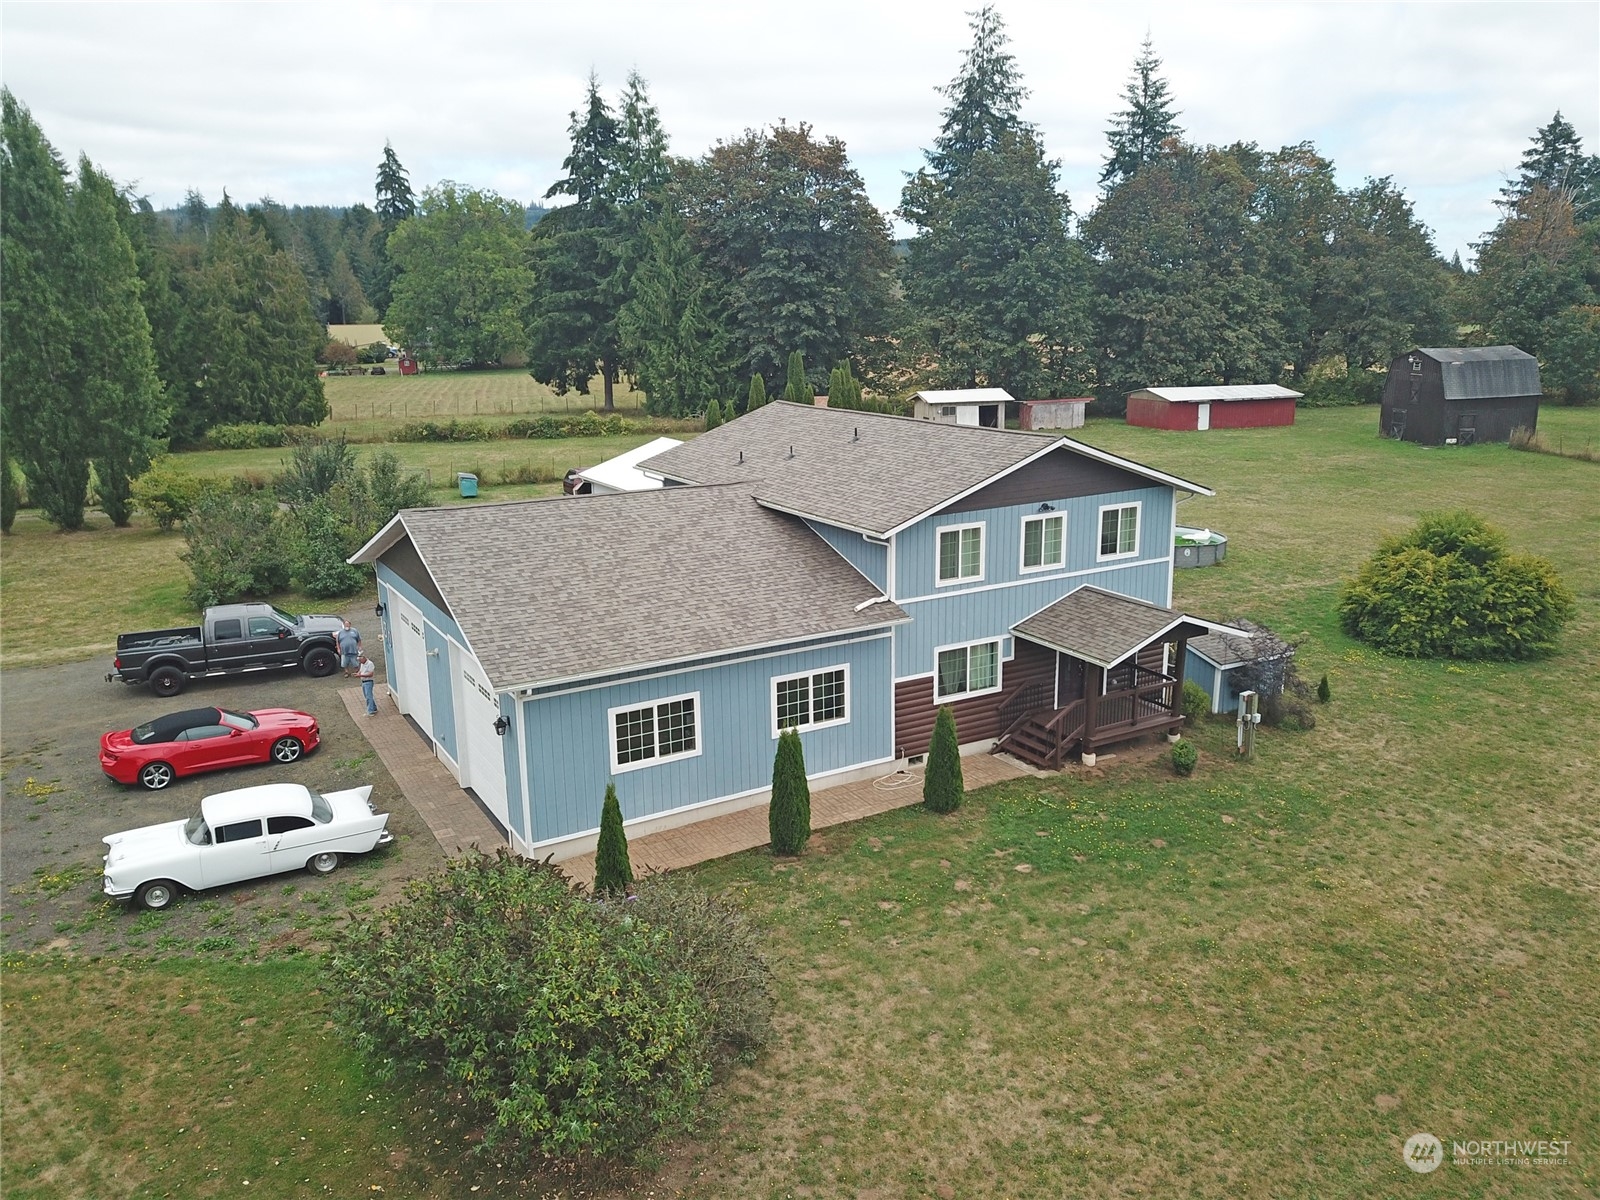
{"points": [[762, 266]]}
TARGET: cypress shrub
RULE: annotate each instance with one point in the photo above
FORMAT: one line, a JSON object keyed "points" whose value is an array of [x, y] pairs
{"points": [[798, 389], [612, 870], [942, 785], [713, 414], [1324, 692], [789, 815], [758, 393]]}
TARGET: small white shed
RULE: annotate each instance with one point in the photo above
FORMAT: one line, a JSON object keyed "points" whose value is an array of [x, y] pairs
{"points": [[985, 407]]}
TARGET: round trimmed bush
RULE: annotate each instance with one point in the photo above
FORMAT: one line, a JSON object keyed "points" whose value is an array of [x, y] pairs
{"points": [[1196, 703], [1184, 756], [1450, 589]]}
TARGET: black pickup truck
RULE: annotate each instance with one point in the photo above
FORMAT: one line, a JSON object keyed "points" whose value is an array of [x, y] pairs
{"points": [[232, 639]]}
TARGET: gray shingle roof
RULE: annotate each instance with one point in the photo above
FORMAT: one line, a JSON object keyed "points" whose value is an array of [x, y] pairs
{"points": [[1230, 649], [1485, 372], [574, 587], [1098, 626], [863, 471]]}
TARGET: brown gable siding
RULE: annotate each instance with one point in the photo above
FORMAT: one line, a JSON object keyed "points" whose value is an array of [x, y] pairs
{"points": [[402, 558], [977, 719], [1061, 475]]}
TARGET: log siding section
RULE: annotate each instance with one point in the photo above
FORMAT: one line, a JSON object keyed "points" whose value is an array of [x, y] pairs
{"points": [[978, 717]]}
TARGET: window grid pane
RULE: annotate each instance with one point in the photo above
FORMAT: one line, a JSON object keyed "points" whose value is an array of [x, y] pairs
{"points": [[636, 735], [984, 662], [828, 696], [971, 553], [1052, 541], [794, 708], [950, 555], [1032, 543], [1108, 531], [1127, 540], [952, 671], [677, 726]]}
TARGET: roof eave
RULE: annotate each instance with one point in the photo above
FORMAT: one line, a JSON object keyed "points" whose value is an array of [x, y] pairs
{"points": [[386, 537]]}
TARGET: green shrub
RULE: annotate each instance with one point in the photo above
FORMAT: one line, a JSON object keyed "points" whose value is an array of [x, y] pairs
{"points": [[315, 466], [10, 494], [798, 388], [713, 414], [584, 425], [321, 543], [567, 1028], [238, 547], [167, 495], [789, 814], [1184, 756], [1449, 589], [444, 431], [543, 426], [1324, 692], [758, 394], [375, 354], [942, 784], [1343, 389], [713, 943], [612, 870], [1196, 704], [338, 354], [251, 435]]}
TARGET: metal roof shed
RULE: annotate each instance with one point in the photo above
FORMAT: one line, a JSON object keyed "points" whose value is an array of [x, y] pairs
{"points": [[1227, 406], [1458, 395]]}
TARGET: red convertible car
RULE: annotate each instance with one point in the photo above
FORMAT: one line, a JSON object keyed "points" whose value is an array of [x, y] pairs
{"points": [[205, 739]]}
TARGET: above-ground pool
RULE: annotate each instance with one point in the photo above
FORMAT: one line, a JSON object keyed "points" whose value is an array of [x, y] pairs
{"points": [[1198, 547]]}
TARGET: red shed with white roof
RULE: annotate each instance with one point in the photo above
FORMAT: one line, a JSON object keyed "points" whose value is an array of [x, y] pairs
{"points": [[1229, 406]]}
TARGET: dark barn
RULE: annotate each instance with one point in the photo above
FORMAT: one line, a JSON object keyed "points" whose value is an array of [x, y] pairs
{"points": [[1456, 396]]}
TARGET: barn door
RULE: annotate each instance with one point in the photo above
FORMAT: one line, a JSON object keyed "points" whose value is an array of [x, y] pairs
{"points": [[1466, 429], [1203, 420], [1397, 423]]}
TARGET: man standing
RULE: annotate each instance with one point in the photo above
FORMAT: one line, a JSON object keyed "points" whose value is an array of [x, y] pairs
{"points": [[367, 671], [349, 646]]}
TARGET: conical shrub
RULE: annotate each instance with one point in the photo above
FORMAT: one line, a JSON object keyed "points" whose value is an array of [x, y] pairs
{"points": [[789, 815], [713, 414], [942, 785], [612, 870]]}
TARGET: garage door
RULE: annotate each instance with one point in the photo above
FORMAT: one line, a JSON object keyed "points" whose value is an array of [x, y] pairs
{"points": [[482, 764], [408, 674]]}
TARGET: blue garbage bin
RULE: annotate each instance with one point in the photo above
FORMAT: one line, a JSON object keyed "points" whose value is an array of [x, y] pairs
{"points": [[469, 485]]}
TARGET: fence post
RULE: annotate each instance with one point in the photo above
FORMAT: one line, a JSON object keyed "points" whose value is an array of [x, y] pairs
{"points": [[1249, 718]]}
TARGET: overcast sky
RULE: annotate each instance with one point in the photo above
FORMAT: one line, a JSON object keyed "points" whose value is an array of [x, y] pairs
{"points": [[295, 101]]}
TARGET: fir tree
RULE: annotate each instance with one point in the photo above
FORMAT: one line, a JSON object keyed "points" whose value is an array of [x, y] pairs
{"points": [[1556, 161], [798, 390], [789, 815], [1324, 692], [395, 200], [713, 414], [1137, 134], [612, 870], [758, 393], [985, 99], [942, 785]]}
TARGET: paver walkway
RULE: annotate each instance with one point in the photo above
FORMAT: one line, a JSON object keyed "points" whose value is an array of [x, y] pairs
{"points": [[459, 824]]}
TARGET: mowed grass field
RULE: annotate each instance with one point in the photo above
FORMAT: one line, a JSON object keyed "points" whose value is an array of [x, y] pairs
{"points": [[373, 401], [1257, 981]]}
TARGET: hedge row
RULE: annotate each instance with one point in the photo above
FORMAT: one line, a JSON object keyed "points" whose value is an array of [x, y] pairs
{"points": [[586, 424]]}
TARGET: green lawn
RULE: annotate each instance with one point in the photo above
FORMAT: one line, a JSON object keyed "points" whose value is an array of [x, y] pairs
{"points": [[1258, 981]]}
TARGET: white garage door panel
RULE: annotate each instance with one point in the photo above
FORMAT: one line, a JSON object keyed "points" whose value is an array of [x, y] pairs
{"points": [[409, 671], [484, 769]]}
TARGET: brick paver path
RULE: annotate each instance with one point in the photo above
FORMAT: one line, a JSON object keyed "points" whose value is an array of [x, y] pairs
{"points": [[459, 824], [456, 821]]}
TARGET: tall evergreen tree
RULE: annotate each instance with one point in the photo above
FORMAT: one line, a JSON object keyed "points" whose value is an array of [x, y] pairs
{"points": [[396, 201], [985, 100], [612, 870], [713, 414], [1140, 130], [942, 785], [42, 403], [789, 814], [1556, 161], [126, 406], [758, 393], [797, 389]]}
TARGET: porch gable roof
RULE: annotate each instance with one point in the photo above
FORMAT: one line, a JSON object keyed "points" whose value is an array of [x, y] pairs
{"points": [[1105, 628]]}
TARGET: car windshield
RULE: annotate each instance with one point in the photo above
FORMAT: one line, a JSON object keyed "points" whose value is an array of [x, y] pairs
{"points": [[321, 810], [194, 829], [288, 619], [237, 720]]}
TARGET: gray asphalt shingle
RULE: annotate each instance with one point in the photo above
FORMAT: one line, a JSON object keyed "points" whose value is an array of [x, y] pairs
{"points": [[570, 587], [1098, 626]]}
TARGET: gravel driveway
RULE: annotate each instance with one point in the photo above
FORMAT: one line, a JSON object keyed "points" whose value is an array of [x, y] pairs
{"points": [[58, 805]]}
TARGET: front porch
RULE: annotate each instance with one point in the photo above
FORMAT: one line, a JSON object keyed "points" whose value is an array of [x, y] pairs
{"points": [[1119, 675]]}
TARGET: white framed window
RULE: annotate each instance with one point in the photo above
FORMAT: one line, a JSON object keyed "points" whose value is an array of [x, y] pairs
{"points": [[1119, 530], [1044, 542], [960, 554], [968, 670], [813, 700], [643, 735]]}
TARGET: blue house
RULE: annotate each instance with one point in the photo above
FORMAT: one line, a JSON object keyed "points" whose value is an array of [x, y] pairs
{"points": [[842, 573]]}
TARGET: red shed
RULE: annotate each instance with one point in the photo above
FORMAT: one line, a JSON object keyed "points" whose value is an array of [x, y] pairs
{"points": [[1232, 406]]}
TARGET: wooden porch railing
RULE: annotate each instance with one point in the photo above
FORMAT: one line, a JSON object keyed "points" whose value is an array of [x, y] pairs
{"points": [[1145, 703], [1036, 697]]}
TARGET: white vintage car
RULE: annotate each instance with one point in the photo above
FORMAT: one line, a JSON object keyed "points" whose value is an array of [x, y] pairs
{"points": [[240, 835]]}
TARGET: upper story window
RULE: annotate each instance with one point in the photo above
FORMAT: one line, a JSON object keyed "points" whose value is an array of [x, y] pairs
{"points": [[960, 554], [655, 733], [1119, 530], [810, 701], [1044, 543]]}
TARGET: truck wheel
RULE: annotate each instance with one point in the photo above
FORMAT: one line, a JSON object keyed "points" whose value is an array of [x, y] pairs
{"points": [[156, 895], [321, 662], [156, 776], [166, 681]]}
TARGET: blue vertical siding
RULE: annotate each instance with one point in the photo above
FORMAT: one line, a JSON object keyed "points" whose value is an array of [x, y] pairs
{"points": [[431, 612], [870, 558], [568, 753], [1201, 672], [943, 616], [511, 754]]}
